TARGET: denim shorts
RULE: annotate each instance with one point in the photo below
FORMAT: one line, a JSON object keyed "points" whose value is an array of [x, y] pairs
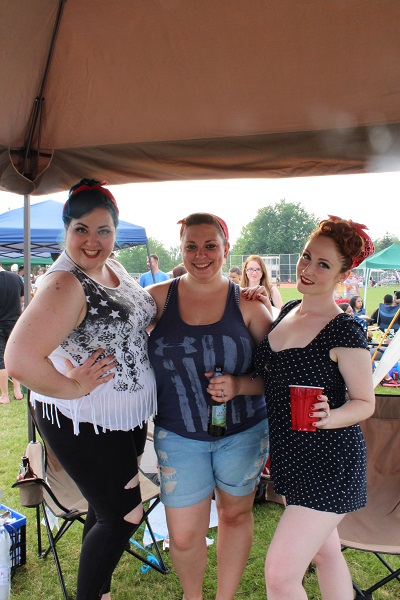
{"points": [[190, 470]]}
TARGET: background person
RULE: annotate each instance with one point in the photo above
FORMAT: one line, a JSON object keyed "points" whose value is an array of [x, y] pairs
{"points": [[257, 284], [93, 386], [357, 304], [11, 301], [147, 278], [384, 322], [235, 275], [347, 308], [351, 287], [203, 322], [322, 474], [178, 270], [41, 272]]}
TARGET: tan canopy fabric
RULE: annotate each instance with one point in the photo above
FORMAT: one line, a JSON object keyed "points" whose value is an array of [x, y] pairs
{"points": [[151, 90]]}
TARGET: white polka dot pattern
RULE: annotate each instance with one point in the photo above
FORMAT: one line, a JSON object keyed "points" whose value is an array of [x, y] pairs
{"points": [[325, 470]]}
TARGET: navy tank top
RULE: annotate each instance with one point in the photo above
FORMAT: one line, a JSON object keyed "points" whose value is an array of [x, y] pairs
{"points": [[180, 355]]}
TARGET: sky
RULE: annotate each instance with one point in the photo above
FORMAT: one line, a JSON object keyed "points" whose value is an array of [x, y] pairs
{"points": [[370, 199]]}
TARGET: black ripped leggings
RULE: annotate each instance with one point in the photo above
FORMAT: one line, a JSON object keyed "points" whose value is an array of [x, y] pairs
{"points": [[101, 465]]}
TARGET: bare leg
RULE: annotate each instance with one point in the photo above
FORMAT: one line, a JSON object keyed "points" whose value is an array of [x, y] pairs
{"points": [[187, 529], [4, 398], [301, 535], [333, 573], [18, 394], [235, 536]]}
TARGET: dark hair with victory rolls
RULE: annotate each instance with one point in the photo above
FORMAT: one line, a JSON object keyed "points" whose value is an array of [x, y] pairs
{"points": [[350, 239], [87, 195]]}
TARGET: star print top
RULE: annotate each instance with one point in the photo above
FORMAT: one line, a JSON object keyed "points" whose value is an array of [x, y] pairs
{"points": [[115, 319]]}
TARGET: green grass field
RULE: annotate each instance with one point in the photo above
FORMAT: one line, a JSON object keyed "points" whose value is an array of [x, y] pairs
{"points": [[374, 295], [37, 579]]}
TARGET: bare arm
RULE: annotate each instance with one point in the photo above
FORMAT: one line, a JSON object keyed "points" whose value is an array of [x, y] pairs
{"points": [[276, 297], [159, 292], [233, 386], [258, 292], [355, 367], [57, 308]]}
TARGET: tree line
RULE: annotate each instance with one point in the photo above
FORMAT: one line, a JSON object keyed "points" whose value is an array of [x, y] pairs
{"points": [[282, 228]]}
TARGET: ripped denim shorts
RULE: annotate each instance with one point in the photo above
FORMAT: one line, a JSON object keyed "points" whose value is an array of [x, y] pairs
{"points": [[189, 469]]}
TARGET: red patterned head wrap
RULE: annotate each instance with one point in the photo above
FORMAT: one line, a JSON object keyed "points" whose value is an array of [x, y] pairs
{"points": [[220, 222], [368, 247], [98, 186]]}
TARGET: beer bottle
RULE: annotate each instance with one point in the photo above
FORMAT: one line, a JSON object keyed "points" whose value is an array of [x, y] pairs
{"points": [[25, 471], [217, 413]]}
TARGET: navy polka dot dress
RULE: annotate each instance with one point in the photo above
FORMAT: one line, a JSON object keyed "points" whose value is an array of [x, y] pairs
{"points": [[325, 470]]}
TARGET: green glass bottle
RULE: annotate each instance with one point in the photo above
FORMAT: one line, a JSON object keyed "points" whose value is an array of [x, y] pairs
{"points": [[217, 413]]}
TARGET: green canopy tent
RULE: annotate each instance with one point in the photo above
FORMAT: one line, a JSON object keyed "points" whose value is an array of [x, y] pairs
{"points": [[388, 258], [35, 260]]}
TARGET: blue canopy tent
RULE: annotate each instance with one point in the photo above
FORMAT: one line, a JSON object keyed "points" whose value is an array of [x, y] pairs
{"points": [[47, 231]]}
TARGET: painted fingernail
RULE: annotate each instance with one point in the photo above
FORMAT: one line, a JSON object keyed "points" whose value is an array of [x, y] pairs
{"points": [[312, 406]]}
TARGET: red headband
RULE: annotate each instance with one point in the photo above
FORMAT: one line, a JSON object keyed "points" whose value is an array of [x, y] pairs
{"points": [[368, 249], [99, 187], [220, 221]]}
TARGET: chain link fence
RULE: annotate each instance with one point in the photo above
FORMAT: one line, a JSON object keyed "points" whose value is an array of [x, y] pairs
{"points": [[278, 265]]}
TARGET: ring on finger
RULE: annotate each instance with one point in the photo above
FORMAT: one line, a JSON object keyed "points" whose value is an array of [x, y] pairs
{"points": [[222, 394], [327, 413]]}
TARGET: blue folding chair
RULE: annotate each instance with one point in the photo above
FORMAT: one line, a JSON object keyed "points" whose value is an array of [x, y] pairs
{"points": [[385, 317]]}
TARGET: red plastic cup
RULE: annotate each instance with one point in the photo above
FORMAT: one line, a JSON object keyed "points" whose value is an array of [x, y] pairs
{"points": [[301, 398]]}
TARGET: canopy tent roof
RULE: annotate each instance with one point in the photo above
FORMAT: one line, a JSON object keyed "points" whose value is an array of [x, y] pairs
{"points": [[34, 260], [388, 258], [163, 90], [47, 231]]}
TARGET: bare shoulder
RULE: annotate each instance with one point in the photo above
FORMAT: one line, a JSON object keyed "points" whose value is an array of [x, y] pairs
{"points": [[59, 288], [57, 280], [159, 291]]}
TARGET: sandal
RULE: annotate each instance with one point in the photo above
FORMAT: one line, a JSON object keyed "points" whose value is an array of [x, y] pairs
{"points": [[389, 383]]}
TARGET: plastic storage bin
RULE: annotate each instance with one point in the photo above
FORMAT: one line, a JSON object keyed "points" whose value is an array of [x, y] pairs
{"points": [[17, 530]]}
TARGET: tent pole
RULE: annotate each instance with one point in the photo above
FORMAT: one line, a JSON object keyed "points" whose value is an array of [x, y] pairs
{"points": [[366, 283], [27, 284], [27, 250]]}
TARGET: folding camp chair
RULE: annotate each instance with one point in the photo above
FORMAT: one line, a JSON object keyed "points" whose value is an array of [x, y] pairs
{"points": [[376, 527], [388, 317], [52, 489]]}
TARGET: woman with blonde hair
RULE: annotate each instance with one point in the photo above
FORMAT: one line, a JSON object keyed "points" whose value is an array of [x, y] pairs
{"points": [[257, 284]]}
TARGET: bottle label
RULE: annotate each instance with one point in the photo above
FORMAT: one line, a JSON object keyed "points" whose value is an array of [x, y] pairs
{"points": [[218, 415]]}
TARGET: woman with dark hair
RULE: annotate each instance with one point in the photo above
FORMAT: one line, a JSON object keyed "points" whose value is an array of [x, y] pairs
{"points": [[322, 474], [93, 388], [357, 304]]}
